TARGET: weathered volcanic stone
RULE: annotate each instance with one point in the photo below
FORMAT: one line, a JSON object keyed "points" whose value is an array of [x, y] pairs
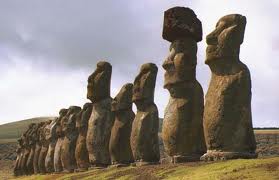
{"points": [[26, 149], [32, 144], [119, 147], [38, 147], [58, 146], [182, 130], [227, 117], [51, 137], [181, 22], [101, 119], [144, 135], [44, 148], [69, 129], [98, 87], [17, 170], [81, 153]]}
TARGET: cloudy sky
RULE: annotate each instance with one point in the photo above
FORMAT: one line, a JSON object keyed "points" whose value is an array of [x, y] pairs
{"points": [[48, 49]]}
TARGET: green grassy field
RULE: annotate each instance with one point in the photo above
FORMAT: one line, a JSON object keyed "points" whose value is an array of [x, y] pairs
{"points": [[10, 132], [262, 168], [267, 168]]}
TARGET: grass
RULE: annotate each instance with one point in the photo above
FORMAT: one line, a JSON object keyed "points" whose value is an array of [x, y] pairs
{"points": [[234, 169], [10, 132], [267, 168]]}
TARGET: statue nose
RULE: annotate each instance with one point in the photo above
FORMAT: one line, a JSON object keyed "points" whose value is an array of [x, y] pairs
{"points": [[167, 64], [212, 38]]}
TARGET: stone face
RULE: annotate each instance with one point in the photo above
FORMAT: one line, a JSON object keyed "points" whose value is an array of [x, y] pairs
{"points": [[69, 129], [180, 22], [81, 153], [182, 130], [58, 146], [98, 87], [119, 147], [227, 117], [101, 119], [51, 137], [144, 135]]}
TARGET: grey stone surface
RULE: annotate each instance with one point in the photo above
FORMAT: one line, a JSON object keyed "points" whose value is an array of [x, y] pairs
{"points": [[182, 130], [101, 119], [144, 135], [227, 116], [120, 148]]}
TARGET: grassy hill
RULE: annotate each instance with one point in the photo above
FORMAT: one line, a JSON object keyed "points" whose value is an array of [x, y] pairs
{"points": [[10, 132], [262, 168], [267, 168]]}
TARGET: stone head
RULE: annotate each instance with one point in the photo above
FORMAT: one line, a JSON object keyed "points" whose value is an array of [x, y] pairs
{"points": [[144, 84], [42, 131], [31, 136], [123, 100], [181, 22], [30, 126], [50, 131], [68, 122], [34, 136], [98, 87], [180, 65], [224, 42], [25, 136], [58, 130], [20, 142], [63, 112], [83, 116]]}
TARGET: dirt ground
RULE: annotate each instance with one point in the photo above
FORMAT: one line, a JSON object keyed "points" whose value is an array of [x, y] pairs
{"points": [[6, 169]]}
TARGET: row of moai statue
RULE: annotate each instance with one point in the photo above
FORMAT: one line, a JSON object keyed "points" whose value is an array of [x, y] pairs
{"points": [[104, 132], [107, 132]]}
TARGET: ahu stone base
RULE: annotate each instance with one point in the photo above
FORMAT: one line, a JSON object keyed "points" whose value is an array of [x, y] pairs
{"points": [[221, 155]]}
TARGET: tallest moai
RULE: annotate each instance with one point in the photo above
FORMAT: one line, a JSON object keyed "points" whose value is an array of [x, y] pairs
{"points": [[227, 117], [182, 131]]}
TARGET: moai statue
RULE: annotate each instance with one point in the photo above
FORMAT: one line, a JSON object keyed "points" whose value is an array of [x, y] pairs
{"points": [[32, 145], [120, 148], [182, 130], [24, 153], [101, 119], [17, 170], [44, 148], [144, 135], [51, 138], [227, 115], [69, 129], [27, 149], [38, 147], [58, 146], [81, 153]]}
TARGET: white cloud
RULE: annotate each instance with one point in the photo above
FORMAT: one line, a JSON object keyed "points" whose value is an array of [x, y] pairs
{"points": [[28, 91]]}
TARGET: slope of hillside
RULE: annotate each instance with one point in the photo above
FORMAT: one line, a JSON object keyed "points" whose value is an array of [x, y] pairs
{"points": [[267, 168], [10, 132]]}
